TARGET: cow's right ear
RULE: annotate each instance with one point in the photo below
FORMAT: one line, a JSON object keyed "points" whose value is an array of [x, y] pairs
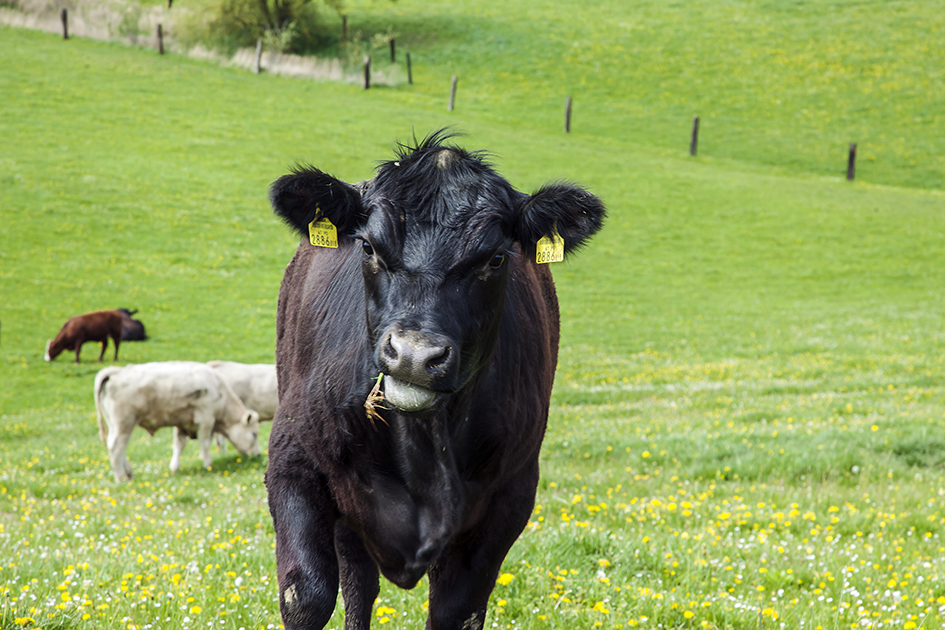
{"points": [[307, 194]]}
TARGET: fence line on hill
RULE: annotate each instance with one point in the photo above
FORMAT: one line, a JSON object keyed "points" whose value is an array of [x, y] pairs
{"points": [[694, 137]]}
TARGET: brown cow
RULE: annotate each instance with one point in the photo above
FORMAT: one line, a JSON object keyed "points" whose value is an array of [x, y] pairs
{"points": [[97, 326], [430, 276]]}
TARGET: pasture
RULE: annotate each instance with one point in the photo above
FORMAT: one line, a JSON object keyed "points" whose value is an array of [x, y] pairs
{"points": [[747, 426]]}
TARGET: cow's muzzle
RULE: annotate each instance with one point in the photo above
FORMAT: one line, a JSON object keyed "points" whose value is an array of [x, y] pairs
{"points": [[418, 358], [415, 364]]}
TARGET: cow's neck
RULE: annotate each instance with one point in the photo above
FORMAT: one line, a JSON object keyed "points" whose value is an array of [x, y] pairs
{"points": [[424, 457]]}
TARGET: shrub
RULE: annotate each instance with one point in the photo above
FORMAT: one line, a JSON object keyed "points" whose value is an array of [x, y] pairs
{"points": [[358, 45], [283, 25]]}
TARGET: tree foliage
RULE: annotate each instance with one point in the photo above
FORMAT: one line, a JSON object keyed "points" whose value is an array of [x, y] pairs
{"points": [[289, 26], [285, 25]]}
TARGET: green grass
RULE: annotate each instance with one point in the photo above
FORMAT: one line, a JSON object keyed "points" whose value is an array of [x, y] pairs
{"points": [[781, 83], [747, 423]]}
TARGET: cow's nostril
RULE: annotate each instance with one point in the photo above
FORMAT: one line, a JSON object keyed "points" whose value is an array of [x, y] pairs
{"points": [[389, 351], [437, 362]]}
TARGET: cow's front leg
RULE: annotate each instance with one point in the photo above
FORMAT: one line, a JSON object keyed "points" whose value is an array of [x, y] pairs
{"points": [[462, 579], [179, 442], [360, 583], [303, 516]]}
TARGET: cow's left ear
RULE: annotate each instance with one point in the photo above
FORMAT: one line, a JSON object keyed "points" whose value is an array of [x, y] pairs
{"points": [[570, 210], [307, 193]]}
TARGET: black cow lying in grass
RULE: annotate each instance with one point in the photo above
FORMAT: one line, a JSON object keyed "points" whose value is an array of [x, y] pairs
{"points": [[426, 274], [131, 329]]}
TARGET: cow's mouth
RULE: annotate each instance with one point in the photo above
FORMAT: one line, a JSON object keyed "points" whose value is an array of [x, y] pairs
{"points": [[407, 396]]}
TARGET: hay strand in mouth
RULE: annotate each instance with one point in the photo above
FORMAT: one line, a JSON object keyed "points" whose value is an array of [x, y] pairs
{"points": [[375, 401]]}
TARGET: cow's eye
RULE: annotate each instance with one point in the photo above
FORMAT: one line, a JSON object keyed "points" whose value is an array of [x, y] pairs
{"points": [[368, 250], [497, 261]]}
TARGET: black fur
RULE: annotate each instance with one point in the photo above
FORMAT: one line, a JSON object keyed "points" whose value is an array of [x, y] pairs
{"points": [[434, 283]]}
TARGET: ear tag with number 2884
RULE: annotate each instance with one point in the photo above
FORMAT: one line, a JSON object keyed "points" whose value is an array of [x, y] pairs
{"points": [[322, 233], [550, 248]]}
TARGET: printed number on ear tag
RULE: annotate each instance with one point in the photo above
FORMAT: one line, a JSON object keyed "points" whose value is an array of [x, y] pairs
{"points": [[322, 233], [550, 249]]}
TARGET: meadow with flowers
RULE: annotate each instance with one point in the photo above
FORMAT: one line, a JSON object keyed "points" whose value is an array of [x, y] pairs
{"points": [[748, 423]]}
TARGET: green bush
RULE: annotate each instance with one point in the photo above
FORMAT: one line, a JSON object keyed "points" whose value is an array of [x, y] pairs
{"points": [[360, 45], [288, 26]]}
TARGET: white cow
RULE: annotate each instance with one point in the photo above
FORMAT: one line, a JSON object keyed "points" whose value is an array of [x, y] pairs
{"points": [[254, 383], [189, 396]]}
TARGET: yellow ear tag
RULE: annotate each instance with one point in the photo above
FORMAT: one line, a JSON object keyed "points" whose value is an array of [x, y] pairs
{"points": [[322, 233], [550, 249]]}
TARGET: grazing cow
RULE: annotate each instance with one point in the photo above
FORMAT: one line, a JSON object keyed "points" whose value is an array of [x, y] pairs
{"points": [[131, 329], [97, 326], [189, 396], [254, 384], [416, 352]]}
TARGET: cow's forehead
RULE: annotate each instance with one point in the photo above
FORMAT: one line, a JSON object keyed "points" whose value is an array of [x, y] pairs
{"points": [[420, 239], [444, 201]]}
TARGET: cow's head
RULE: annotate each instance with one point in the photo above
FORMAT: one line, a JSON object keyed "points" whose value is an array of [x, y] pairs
{"points": [[244, 434], [437, 230]]}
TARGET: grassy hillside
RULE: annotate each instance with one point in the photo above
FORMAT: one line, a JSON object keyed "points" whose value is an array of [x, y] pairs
{"points": [[781, 83], [746, 428]]}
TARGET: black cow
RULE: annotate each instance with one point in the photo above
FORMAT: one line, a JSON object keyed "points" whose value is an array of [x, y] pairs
{"points": [[131, 329], [434, 283]]}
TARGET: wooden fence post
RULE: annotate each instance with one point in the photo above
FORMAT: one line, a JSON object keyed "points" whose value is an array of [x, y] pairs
{"points": [[344, 29], [258, 56], [160, 40], [694, 143], [65, 23], [851, 163], [452, 94], [393, 56], [367, 72], [409, 71], [567, 115]]}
